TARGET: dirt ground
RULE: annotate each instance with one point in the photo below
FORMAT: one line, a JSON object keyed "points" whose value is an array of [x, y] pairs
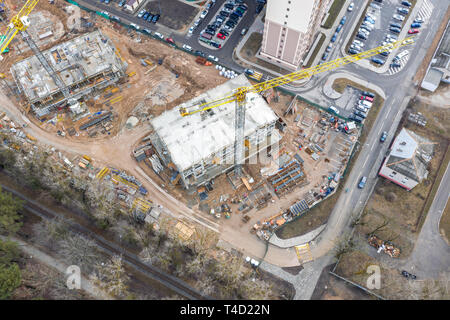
{"points": [[330, 287], [146, 93], [353, 266]]}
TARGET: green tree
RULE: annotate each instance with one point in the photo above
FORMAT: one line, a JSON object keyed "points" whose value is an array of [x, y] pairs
{"points": [[9, 280], [9, 252], [10, 219], [7, 158]]}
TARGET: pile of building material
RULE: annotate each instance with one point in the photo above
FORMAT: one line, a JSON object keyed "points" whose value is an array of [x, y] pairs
{"points": [[386, 247], [287, 178]]}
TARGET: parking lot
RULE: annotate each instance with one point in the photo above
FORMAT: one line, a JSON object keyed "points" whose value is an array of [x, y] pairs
{"points": [[379, 27], [224, 24]]}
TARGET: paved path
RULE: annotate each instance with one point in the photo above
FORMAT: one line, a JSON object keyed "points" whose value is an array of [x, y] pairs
{"points": [[431, 255], [44, 258]]}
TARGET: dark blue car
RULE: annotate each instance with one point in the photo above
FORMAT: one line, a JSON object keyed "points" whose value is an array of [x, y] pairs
{"points": [[155, 18], [415, 25], [344, 18], [333, 39]]}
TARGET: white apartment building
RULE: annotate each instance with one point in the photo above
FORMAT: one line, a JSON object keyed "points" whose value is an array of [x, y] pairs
{"points": [[289, 30]]}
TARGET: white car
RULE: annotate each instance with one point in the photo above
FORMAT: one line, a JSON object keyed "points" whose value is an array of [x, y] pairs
{"points": [[350, 7], [105, 13], [141, 13], [398, 17], [359, 43], [211, 57], [204, 13], [334, 109], [134, 26], [191, 30], [186, 47], [159, 35]]}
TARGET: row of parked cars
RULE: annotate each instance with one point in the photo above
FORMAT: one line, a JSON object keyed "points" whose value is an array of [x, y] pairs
{"points": [[224, 23], [362, 107], [148, 16], [334, 38]]}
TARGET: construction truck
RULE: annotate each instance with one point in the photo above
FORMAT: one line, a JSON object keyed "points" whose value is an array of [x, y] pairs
{"points": [[381, 245], [203, 61]]}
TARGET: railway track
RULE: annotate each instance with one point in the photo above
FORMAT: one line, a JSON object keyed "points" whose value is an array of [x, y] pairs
{"points": [[176, 285]]}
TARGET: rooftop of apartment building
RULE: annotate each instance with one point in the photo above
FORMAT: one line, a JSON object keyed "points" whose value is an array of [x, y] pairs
{"points": [[195, 137], [75, 61]]}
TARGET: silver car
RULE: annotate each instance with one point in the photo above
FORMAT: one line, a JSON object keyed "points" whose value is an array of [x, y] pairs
{"points": [[398, 17]]}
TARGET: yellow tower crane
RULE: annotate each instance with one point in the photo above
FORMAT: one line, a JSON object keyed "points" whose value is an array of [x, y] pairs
{"points": [[239, 95], [20, 22]]}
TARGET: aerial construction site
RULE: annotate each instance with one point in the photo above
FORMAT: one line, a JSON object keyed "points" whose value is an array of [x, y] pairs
{"points": [[193, 164], [105, 80]]}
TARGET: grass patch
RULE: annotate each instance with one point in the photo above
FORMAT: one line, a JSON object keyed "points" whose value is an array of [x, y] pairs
{"points": [[316, 50], [333, 13]]}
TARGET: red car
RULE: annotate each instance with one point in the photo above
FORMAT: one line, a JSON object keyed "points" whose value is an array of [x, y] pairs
{"points": [[369, 99], [220, 36], [413, 31], [170, 40], [362, 98]]}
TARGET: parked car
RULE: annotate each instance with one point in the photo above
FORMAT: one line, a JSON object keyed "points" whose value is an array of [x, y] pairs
{"points": [[359, 43], [353, 51], [213, 58], [224, 13], [122, 3], [383, 136], [150, 18], [403, 11], [396, 25], [210, 32], [229, 6], [159, 35], [225, 33], [355, 118], [413, 31], [350, 7], [333, 109], [408, 275], [378, 61], [416, 25], [187, 48], [339, 28], [369, 98], [220, 36], [145, 16], [418, 20], [369, 94], [215, 44], [325, 56], [334, 37], [147, 31], [344, 18], [361, 36], [329, 47], [155, 18], [407, 3], [170, 40], [362, 182], [361, 114], [203, 14], [244, 31], [191, 30], [141, 13], [369, 19], [398, 17], [200, 53], [396, 30]]}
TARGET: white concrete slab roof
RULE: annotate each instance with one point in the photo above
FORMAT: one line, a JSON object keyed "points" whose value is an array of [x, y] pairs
{"points": [[195, 137]]}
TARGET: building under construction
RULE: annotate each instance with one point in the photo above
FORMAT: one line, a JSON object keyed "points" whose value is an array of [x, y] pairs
{"points": [[201, 146], [83, 65]]}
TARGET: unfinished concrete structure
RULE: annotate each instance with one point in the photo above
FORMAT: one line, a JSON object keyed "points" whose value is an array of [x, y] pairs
{"points": [[202, 145], [84, 64]]}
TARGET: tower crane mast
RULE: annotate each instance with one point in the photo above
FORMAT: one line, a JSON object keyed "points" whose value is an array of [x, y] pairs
{"points": [[239, 95], [20, 23]]}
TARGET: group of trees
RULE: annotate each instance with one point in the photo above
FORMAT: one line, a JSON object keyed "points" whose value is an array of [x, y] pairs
{"points": [[10, 223]]}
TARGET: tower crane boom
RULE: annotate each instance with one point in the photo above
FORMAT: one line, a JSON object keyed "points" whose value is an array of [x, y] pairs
{"points": [[239, 95]]}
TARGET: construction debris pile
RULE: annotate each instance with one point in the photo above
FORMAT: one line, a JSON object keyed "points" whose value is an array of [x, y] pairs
{"points": [[387, 247]]}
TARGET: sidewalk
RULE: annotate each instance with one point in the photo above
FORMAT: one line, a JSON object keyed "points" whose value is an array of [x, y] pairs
{"points": [[365, 63], [330, 93]]}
